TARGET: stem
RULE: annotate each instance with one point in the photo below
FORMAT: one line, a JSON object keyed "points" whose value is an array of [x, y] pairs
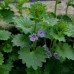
{"points": [[67, 9], [73, 45], [45, 41], [53, 44], [20, 11], [34, 45], [56, 6], [35, 28]]}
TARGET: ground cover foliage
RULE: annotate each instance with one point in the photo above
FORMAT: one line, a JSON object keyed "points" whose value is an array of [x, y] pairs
{"points": [[39, 42]]}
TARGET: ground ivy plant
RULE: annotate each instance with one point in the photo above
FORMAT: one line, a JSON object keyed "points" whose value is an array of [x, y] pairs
{"points": [[36, 42]]}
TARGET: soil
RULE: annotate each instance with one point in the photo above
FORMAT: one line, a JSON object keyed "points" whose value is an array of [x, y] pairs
{"points": [[50, 5], [61, 8]]}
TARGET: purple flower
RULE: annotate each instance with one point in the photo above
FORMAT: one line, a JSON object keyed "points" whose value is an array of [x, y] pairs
{"points": [[48, 52], [45, 47], [56, 55], [33, 37], [41, 33]]}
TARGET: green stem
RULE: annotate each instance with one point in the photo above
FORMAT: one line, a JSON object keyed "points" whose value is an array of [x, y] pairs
{"points": [[45, 41], [20, 11], [35, 28], [56, 6], [67, 9], [34, 45], [73, 45], [53, 44]]}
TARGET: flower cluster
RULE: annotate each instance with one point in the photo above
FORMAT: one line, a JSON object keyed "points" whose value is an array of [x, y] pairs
{"points": [[34, 37], [49, 54], [56, 55], [41, 33]]}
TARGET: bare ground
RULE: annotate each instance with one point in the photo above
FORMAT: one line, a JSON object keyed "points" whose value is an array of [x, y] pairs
{"points": [[61, 9], [50, 5]]}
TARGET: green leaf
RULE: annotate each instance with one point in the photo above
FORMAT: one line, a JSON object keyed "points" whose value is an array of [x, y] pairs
{"points": [[4, 35], [58, 1], [18, 70], [70, 30], [51, 21], [65, 51], [47, 69], [2, 4], [6, 68], [24, 23], [58, 37], [71, 3], [14, 55], [1, 58], [57, 31], [37, 10], [65, 18], [32, 71], [34, 58], [46, 23], [3, 70], [7, 1], [21, 2], [7, 48], [7, 15], [20, 40]]}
